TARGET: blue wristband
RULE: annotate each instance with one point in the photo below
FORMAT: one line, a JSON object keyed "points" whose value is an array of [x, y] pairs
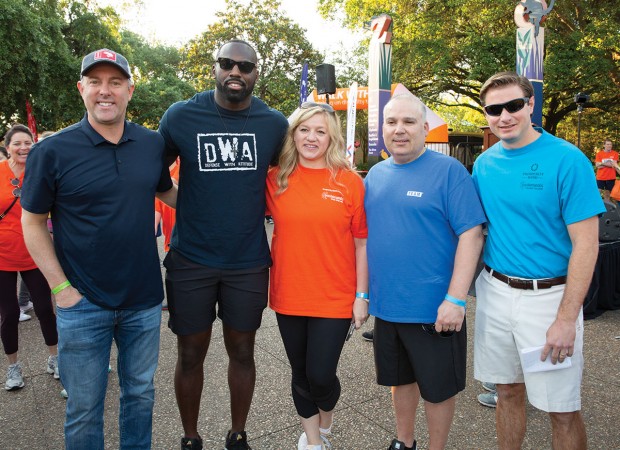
{"points": [[456, 301], [362, 295]]}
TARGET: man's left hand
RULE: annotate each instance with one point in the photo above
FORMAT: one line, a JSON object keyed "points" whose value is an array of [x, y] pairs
{"points": [[449, 317], [560, 341]]}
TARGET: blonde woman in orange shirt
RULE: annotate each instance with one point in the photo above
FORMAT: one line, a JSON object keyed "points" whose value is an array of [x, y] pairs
{"points": [[319, 279]]}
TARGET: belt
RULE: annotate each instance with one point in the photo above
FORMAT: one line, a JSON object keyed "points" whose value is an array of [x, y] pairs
{"points": [[519, 283]]}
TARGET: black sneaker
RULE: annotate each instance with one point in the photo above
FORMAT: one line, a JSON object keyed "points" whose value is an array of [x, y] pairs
{"points": [[237, 441], [398, 445], [368, 335], [191, 443]]}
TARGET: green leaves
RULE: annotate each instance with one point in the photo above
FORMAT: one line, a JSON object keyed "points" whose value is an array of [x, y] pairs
{"points": [[280, 43], [453, 46]]}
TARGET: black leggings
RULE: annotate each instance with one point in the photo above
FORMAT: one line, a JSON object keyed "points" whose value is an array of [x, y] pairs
{"points": [[313, 346], [9, 308]]}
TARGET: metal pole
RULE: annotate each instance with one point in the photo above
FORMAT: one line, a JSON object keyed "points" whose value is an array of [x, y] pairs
{"points": [[579, 110]]}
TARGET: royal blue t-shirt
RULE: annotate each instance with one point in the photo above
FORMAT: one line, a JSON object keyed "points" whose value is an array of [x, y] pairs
{"points": [[102, 202], [225, 155], [415, 214]]}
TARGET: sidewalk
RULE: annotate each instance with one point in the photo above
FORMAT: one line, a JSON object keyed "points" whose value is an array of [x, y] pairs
{"points": [[33, 416]]}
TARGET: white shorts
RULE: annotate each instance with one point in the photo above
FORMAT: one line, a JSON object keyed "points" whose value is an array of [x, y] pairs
{"points": [[509, 319]]}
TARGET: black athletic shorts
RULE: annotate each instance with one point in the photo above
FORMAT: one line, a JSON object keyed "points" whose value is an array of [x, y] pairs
{"points": [[195, 293], [405, 353], [606, 185]]}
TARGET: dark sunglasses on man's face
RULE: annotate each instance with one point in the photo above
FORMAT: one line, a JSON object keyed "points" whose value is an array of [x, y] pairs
{"points": [[512, 106], [325, 106], [228, 64], [17, 192]]}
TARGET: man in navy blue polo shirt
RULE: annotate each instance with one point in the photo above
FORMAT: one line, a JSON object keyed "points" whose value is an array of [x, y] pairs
{"points": [[98, 178]]}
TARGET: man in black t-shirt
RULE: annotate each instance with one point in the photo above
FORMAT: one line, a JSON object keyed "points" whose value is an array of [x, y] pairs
{"points": [[219, 258]]}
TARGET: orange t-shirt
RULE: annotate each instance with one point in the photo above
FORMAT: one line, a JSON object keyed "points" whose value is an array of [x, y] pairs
{"points": [[606, 173], [313, 250], [14, 255], [168, 214]]}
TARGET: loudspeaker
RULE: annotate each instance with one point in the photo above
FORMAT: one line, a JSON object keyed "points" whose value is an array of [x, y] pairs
{"points": [[325, 79], [609, 224]]}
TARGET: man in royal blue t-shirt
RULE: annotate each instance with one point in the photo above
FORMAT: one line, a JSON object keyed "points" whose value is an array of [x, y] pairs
{"points": [[424, 239], [218, 264]]}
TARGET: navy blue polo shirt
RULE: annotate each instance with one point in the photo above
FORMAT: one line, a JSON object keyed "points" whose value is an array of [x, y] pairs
{"points": [[101, 197]]}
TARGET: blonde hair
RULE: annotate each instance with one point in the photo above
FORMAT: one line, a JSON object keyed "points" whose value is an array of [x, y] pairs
{"points": [[335, 158]]}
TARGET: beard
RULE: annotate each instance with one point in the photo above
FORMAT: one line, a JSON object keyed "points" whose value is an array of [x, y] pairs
{"points": [[234, 96]]}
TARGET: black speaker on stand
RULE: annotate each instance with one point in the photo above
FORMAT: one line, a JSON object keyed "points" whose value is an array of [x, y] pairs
{"points": [[326, 80]]}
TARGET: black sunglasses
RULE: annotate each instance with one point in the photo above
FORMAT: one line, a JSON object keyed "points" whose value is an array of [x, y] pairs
{"points": [[430, 329], [228, 64], [17, 192], [512, 106], [325, 106]]}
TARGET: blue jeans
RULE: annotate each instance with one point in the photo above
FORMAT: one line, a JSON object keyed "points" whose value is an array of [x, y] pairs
{"points": [[85, 333]]}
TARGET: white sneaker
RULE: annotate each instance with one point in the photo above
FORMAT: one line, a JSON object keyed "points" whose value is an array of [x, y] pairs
{"points": [[52, 366], [14, 377], [24, 317], [64, 394], [302, 444], [303, 441], [27, 307]]}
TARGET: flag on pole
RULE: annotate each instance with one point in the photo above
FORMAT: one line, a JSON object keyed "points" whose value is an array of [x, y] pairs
{"points": [[32, 123], [351, 110], [303, 88]]}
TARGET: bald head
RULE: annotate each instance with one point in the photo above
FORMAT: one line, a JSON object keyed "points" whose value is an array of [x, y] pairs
{"points": [[414, 102], [238, 42]]}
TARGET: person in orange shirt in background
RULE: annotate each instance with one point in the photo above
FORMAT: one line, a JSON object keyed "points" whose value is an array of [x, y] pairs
{"points": [[164, 213], [15, 259], [167, 216], [319, 279], [605, 171]]}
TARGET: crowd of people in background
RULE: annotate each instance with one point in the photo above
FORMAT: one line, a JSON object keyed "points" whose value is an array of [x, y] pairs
{"points": [[401, 245]]}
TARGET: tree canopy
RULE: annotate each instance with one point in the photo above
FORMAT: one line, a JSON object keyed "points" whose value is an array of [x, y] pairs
{"points": [[54, 35], [453, 46], [280, 43], [442, 50], [42, 43]]}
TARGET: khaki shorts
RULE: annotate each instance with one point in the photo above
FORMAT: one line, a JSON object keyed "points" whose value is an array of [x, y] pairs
{"points": [[508, 320]]}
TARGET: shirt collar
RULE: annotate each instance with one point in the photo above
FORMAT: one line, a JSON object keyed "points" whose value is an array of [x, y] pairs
{"points": [[97, 139]]}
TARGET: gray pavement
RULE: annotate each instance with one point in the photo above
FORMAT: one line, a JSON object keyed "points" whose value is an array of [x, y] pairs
{"points": [[33, 416]]}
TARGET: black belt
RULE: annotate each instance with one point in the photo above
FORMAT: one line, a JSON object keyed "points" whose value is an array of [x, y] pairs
{"points": [[519, 283]]}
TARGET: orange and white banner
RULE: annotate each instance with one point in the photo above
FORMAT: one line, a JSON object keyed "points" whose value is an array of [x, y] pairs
{"points": [[340, 99]]}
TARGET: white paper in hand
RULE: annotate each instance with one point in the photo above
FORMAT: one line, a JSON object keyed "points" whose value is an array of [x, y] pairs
{"points": [[530, 361]]}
